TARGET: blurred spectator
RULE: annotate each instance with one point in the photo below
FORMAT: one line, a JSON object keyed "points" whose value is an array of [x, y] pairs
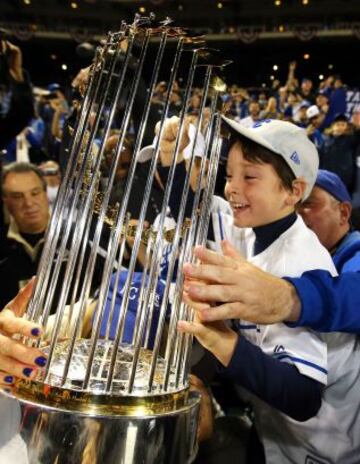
{"points": [[16, 100], [121, 169], [159, 94], [52, 176], [337, 102], [338, 152], [24, 195], [262, 100], [195, 101], [254, 115], [300, 117], [326, 86], [292, 83], [270, 111], [175, 100], [292, 106], [282, 99], [239, 99], [315, 119], [306, 90], [355, 119], [53, 109], [27, 146], [322, 102], [327, 212], [61, 111]]}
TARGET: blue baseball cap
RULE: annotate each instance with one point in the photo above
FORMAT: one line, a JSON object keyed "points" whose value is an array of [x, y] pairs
{"points": [[332, 184]]}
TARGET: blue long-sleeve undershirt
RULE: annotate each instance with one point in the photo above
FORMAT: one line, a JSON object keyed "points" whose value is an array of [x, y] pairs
{"points": [[329, 304], [278, 383]]}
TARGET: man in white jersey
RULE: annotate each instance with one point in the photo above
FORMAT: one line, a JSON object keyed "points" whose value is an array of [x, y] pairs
{"points": [[261, 227]]}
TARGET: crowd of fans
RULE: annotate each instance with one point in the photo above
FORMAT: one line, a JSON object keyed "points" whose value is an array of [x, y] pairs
{"points": [[37, 130], [37, 124], [36, 127]]}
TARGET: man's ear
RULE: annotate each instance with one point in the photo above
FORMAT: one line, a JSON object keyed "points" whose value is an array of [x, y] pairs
{"points": [[345, 212], [297, 193]]}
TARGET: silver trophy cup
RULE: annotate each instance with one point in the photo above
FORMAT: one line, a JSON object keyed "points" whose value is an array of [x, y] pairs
{"points": [[115, 388]]}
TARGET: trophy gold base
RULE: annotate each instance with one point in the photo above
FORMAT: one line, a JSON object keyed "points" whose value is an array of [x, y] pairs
{"points": [[135, 434]]}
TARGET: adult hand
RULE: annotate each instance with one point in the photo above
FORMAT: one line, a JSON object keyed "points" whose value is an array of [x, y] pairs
{"points": [[17, 359], [239, 289]]}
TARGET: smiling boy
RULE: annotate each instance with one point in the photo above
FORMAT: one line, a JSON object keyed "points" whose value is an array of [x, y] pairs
{"points": [[272, 167]]}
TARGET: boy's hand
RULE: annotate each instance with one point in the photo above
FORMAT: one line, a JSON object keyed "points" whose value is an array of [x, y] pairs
{"points": [[215, 336]]}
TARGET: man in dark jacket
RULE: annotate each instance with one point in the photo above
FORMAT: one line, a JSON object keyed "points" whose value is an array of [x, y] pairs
{"points": [[24, 195]]}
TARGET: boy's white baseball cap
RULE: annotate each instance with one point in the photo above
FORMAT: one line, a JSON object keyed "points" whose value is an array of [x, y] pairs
{"points": [[147, 153], [287, 140]]}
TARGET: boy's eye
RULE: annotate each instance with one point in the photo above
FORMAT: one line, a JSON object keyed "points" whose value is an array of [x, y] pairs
{"points": [[249, 177], [228, 176]]}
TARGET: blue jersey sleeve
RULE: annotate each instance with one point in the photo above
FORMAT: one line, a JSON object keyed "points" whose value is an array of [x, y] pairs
{"points": [[329, 304], [277, 383]]}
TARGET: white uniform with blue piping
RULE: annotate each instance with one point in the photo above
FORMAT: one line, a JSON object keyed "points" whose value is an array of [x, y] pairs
{"points": [[333, 436]]}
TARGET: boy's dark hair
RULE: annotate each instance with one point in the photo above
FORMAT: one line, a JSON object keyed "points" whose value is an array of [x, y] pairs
{"points": [[255, 153]]}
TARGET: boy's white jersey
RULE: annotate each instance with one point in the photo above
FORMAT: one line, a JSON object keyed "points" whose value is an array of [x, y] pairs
{"points": [[333, 436]]}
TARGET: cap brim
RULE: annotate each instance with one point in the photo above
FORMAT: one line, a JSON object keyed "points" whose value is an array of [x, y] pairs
{"points": [[248, 133]]}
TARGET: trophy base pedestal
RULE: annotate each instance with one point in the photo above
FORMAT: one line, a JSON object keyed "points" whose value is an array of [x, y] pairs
{"points": [[48, 436]]}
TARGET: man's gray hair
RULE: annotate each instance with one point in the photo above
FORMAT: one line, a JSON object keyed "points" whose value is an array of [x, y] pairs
{"points": [[20, 168]]}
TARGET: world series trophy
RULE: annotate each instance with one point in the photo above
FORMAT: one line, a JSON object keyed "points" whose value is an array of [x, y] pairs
{"points": [[118, 392]]}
